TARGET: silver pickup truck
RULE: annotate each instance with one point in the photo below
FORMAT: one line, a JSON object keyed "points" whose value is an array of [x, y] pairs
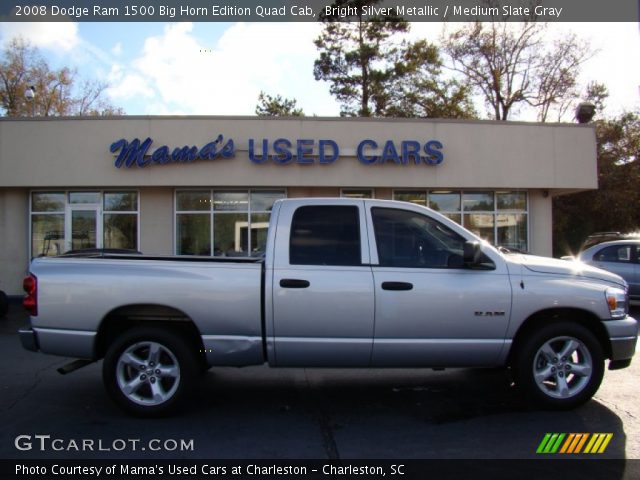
{"points": [[342, 283]]}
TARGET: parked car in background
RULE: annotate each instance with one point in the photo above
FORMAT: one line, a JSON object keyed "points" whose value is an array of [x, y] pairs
{"points": [[621, 257], [601, 237]]}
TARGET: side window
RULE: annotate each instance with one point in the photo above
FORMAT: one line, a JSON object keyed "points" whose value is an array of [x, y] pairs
{"points": [[325, 235], [411, 240], [615, 253]]}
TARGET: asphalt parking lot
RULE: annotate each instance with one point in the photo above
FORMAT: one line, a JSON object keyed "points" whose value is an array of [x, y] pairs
{"points": [[263, 413]]}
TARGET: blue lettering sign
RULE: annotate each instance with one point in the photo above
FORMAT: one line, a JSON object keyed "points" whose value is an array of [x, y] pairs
{"points": [[367, 160], [390, 153], [265, 152], [330, 158], [434, 155], [283, 155], [281, 151], [409, 151], [305, 147], [137, 152]]}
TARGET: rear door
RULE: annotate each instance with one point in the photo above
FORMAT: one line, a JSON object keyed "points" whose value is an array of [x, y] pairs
{"points": [[322, 285]]}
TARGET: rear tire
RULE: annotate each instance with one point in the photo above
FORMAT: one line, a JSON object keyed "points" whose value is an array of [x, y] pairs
{"points": [[149, 371], [559, 366]]}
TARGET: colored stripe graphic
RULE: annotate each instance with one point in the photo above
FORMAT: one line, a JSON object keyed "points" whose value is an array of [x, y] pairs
{"points": [[550, 443], [574, 443], [553, 443], [543, 443]]}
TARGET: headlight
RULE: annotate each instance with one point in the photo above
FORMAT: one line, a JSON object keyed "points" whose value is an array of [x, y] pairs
{"points": [[617, 301]]}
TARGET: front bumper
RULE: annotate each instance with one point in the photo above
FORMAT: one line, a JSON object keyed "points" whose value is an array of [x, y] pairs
{"points": [[623, 335], [29, 339]]}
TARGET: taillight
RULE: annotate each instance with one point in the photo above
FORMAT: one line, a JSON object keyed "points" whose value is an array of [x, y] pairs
{"points": [[30, 301]]}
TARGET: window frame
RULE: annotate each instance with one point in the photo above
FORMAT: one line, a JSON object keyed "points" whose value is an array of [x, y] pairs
{"points": [[211, 212], [68, 206], [496, 212]]}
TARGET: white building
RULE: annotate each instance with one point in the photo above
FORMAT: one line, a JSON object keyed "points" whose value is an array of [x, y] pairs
{"points": [[205, 185]]}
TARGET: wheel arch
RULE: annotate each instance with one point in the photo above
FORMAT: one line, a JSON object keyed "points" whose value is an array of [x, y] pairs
{"points": [[555, 315], [126, 317]]}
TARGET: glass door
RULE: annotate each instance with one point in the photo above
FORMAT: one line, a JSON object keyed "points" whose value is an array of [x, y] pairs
{"points": [[83, 228]]}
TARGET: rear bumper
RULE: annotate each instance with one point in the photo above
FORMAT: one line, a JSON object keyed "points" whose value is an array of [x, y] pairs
{"points": [[67, 343], [29, 339]]}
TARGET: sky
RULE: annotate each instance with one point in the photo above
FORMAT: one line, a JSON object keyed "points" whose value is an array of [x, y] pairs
{"points": [[220, 68]]}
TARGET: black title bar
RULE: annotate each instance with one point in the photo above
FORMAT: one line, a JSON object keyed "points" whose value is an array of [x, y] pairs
{"points": [[547, 469], [314, 10]]}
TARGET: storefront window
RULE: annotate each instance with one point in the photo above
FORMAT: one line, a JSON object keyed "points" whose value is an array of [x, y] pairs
{"points": [[47, 235], [357, 193], [231, 201], [512, 231], [512, 201], [195, 201], [259, 229], [478, 201], [444, 201], [120, 201], [120, 231], [262, 201], [47, 202], [481, 224], [63, 221], [84, 197], [193, 232], [419, 198], [120, 220], [499, 217], [223, 223], [47, 223]]}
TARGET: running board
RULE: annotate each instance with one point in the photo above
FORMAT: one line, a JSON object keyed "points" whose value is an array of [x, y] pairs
{"points": [[73, 366]]}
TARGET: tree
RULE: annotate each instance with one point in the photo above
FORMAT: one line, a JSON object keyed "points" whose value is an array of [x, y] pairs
{"points": [[422, 92], [372, 71], [56, 92], [269, 106], [511, 65], [613, 207]]}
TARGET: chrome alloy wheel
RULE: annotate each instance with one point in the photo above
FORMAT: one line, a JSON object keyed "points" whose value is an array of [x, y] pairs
{"points": [[148, 373], [562, 367]]}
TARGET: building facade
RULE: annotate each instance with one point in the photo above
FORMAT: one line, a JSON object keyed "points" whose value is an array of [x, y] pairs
{"points": [[205, 185]]}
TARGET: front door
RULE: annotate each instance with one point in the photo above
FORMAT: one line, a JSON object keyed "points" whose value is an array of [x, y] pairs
{"points": [[431, 310], [83, 228]]}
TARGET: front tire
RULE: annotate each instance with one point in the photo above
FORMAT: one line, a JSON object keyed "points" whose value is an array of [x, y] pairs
{"points": [[560, 366], [149, 371]]}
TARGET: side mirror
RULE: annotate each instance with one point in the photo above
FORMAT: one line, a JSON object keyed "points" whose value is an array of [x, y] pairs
{"points": [[472, 253]]}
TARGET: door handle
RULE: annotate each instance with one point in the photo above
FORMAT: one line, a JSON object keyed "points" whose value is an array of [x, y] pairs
{"points": [[294, 283], [397, 286]]}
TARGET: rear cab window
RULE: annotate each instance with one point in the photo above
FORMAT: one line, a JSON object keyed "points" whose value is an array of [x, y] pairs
{"points": [[325, 235]]}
